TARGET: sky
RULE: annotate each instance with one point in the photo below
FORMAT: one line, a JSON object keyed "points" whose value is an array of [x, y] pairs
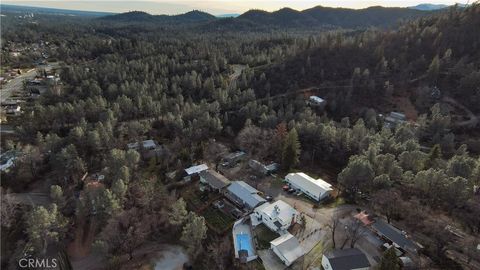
{"points": [[215, 7]]}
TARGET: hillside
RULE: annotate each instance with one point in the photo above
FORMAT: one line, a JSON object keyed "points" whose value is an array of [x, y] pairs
{"points": [[193, 16], [284, 18], [439, 51], [339, 17]]}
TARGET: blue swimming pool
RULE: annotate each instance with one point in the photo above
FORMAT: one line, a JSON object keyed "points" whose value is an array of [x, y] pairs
{"points": [[244, 242]]}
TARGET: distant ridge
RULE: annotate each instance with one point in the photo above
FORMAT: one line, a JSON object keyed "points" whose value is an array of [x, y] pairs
{"points": [[284, 18], [429, 7], [7, 8], [140, 16]]}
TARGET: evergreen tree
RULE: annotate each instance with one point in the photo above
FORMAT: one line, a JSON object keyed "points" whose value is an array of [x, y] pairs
{"points": [[291, 150], [389, 261]]}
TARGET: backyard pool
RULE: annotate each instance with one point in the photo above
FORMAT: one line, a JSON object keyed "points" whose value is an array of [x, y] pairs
{"points": [[244, 242]]}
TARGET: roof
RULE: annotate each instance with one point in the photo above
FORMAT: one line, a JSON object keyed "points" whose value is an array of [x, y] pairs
{"points": [[308, 183], [393, 234], [214, 179], [317, 99], [346, 259], [288, 246], [278, 210], [246, 193], [196, 169], [147, 144], [234, 155], [364, 218]]}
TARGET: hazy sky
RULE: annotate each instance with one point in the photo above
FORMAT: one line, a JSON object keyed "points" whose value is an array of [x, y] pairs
{"points": [[213, 6]]}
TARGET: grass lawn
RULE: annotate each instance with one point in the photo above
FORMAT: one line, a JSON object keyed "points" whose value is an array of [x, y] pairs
{"points": [[217, 219], [264, 236]]}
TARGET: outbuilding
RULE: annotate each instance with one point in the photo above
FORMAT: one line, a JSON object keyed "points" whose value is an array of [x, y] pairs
{"points": [[317, 189], [287, 248]]}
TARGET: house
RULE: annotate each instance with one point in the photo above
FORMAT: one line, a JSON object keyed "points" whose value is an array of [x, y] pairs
{"points": [[287, 248], [148, 144], [244, 195], [345, 259], [398, 238], [213, 180], [148, 149], [278, 216], [193, 172], [394, 119], [315, 189], [262, 168], [317, 101], [232, 159]]}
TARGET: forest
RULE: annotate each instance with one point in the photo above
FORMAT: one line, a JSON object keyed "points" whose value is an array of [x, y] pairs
{"points": [[188, 89]]}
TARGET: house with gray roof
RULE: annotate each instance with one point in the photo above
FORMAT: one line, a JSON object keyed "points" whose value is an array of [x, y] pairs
{"points": [[345, 259], [213, 180], [398, 238], [244, 195]]}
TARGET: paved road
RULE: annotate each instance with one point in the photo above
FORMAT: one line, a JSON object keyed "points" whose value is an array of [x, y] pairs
{"points": [[15, 84]]}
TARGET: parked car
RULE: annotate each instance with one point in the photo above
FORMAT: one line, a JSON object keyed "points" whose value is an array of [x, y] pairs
{"points": [[291, 190], [269, 198], [286, 187]]}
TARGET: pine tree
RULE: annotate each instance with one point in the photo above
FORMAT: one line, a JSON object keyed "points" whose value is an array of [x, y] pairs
{"points": [[291, 150], [389, 261]]}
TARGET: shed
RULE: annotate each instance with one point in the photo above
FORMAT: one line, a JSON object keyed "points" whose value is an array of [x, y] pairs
{"points": [[287, 248]]}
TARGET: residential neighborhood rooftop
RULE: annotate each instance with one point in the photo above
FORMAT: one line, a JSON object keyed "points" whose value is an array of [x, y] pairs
{"points": [[288, 247], [278, 210], [214, 179], [246, 193], [347, 259], [196, 169], [393, 234]]}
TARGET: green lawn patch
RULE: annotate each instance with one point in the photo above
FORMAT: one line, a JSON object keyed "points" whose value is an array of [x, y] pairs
{"points": [[264, 236]]}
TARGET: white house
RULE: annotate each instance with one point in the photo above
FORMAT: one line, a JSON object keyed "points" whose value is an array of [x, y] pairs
{"points": [[287, 248], [277, 216], [345, 259], [315, 189]]}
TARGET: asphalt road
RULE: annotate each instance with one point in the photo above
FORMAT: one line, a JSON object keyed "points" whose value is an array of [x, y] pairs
{"points": [[15, 84]]}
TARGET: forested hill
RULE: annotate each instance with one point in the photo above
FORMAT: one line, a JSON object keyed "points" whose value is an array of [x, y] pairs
{"points": [[325, 16], [440, 51], [193, 16], [284, 18]]}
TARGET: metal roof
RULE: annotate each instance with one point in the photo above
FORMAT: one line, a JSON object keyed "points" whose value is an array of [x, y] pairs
{"points": [[246, 193], [214, 179], [288, 246], [347, 259], [196, 169], [308, 183], [393, 234]]}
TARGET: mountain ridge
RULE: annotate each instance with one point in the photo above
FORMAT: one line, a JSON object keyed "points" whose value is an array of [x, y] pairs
{"points": [[318, 16]]}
